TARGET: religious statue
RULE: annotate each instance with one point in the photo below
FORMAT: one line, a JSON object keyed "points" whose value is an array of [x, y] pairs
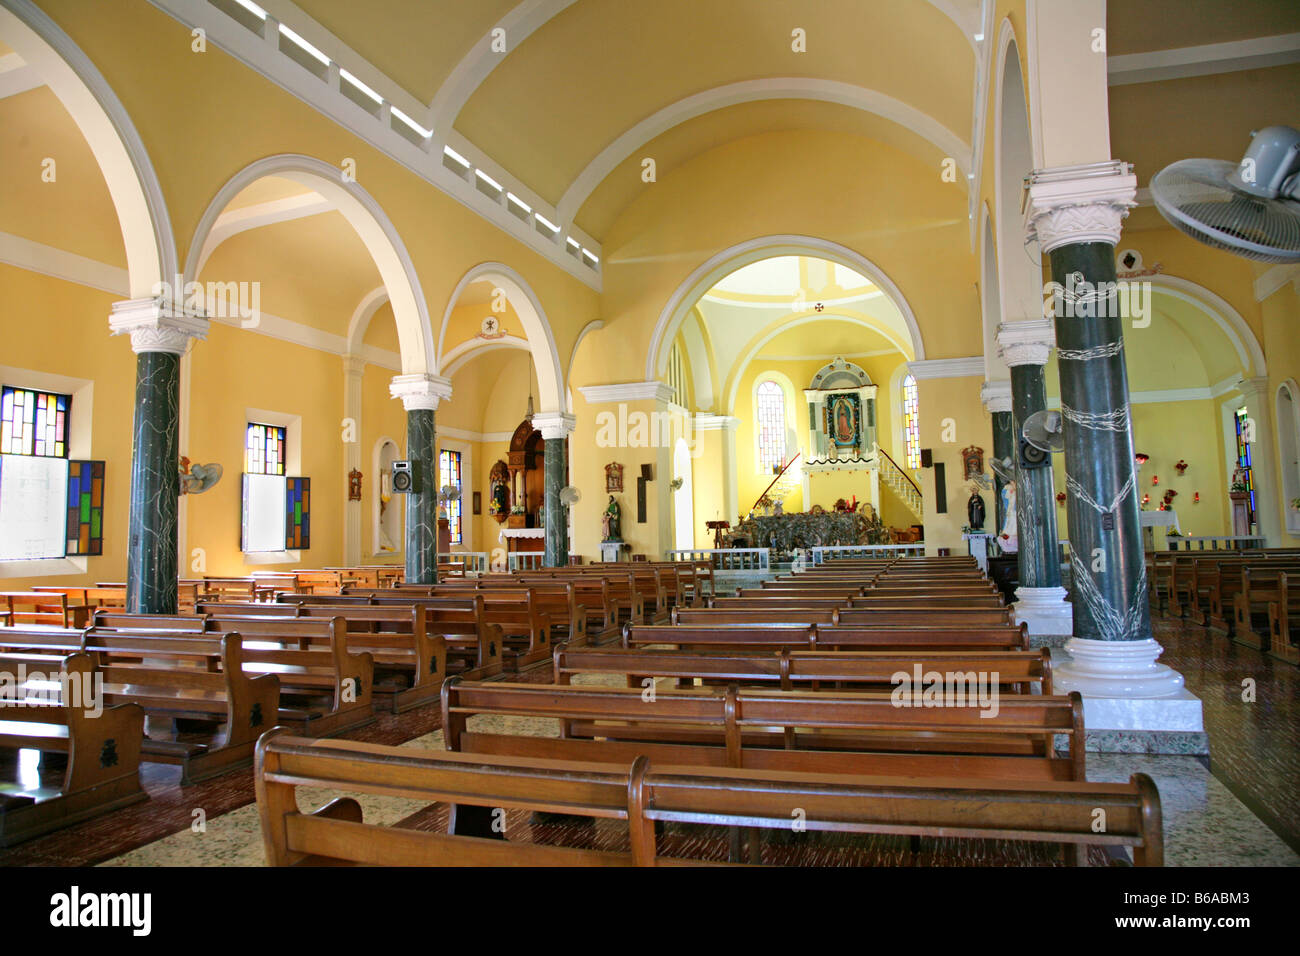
{"points": [[975, 511], [609, 523], [1007, 538], [499, 491], [972, 461]]}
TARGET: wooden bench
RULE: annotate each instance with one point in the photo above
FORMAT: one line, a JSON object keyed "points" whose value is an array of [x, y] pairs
{"points": [[927, 616], [755, 616], [410, 664], [808, 731], [1260, 585], [41, 607], [1018, 671], [324, 688], [647, 798], [822, 637], [1284, 620], [102, 749]]}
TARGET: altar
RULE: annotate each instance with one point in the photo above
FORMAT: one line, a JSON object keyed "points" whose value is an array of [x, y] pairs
{"points": [[842, 460], [1150, 520]]}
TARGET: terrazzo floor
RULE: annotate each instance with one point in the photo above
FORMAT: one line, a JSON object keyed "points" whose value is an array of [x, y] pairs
{"points": [[1255, 758]]}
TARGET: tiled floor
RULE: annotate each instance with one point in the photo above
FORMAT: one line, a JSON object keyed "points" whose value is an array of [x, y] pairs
{"points": [[1255, 758]]}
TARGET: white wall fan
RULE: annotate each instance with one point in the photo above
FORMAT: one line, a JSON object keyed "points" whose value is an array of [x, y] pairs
{"points": [[1251, 209]]}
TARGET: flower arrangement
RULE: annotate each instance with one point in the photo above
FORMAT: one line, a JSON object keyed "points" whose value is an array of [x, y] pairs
{"points": [[1238, 487], [1180, 467]]}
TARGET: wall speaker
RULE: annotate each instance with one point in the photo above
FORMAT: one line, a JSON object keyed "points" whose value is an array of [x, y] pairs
{"points": [[406, 477], [927, 457]]}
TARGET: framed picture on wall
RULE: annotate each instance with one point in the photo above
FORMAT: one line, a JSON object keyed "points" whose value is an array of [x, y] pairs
{"points": [[478, 502]]}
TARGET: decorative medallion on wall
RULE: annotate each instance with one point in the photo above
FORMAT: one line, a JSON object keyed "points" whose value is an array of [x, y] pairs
{"points": [[613, 477], [491, 329]]}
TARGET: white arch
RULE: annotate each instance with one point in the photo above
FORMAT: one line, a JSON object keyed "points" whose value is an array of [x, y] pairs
{"points": [[708, 273], [1287, 418], [373, 227], [1227, 318], [370, 303], [747, 356], [467, 351], [748, 91], [1019, 268], [541, 341], [990, 303], [132, 183], [591, 326]]}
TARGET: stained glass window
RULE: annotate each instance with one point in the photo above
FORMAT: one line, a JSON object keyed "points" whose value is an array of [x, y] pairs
{"points": [[264, 450], [34, 423], [85, 507], [770, 415], [449, 474], [911, 423], [1244, 459], [297, 518]]}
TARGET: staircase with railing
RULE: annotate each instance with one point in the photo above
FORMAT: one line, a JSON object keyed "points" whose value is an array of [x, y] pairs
{"points": [[783, 484], [900, 482]]}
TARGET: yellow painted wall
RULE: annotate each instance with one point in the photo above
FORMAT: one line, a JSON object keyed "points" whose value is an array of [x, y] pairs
{"points": [[940, 400]]}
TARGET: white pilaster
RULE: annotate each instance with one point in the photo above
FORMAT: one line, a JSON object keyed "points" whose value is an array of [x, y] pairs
{"points": [[353, 370], [1027, 342], [731, 478], [1079, 204], [554, 424], [996, 396]]}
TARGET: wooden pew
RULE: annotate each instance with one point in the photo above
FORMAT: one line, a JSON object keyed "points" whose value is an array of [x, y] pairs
{"points": [[103, 750], [37, 607], [823, 637], [755, 617], [1019, 671], [1260, 585], [324, 688], [475, 645], [1284, 620], [646, 798], [410, 664], [843, 732], [927, 616]]}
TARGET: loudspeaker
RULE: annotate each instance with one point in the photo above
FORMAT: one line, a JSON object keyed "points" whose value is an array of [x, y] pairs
{"points": [[927, 457], [406, 477], [1032, 457]]}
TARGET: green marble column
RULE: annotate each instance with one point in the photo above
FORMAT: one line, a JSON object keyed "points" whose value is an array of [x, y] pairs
{"points": [[155, 485], [1037, 559], [1107, 566], [557, 549], [422, 505]]}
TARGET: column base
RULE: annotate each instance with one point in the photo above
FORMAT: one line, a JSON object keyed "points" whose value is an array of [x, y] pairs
{"points": [[1045, 610], [1131, 704]]}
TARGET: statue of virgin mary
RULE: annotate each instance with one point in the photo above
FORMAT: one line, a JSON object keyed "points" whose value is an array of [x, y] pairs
{"points": [[1007, 539]]}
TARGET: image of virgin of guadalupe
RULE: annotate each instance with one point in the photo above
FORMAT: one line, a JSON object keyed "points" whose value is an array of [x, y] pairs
{"points": [[844, 426]]}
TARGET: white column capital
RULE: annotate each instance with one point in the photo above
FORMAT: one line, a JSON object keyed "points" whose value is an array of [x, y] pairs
{"points": [[419, 390], [1028, 342], [353, 364], [154, 326], [715, 423], [996, 396], [1072, 204], [1254, 390], [554, 424]]}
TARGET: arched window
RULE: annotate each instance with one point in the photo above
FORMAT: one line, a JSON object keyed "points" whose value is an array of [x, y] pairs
{"points": [[770, 399], [911, 424]]}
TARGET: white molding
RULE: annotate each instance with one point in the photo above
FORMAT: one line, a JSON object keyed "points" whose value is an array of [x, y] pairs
{"points": [[947, 368], [472, 436], [359, 323], [1218, 309], [996, 395], [60, 264], [1026, 342], [424, 160], [1210, 58], [554, 425], [1275, 278], [715, 423], [627, 392], [591, 326], [826, 357], [769, 88], [154, 327], [103, 120], [232, 222], [17, 76], [723, 263]]}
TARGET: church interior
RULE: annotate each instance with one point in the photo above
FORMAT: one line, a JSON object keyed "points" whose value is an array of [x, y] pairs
{"points": [[574, 432]]}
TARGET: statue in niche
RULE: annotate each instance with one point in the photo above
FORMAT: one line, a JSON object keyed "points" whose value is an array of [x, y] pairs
{"points": [[499, 491], [609, 522], [975, 510]]}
